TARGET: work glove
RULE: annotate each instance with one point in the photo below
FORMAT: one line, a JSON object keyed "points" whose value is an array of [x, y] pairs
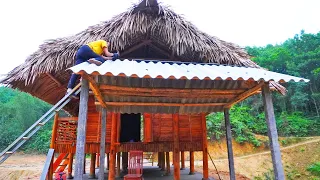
{"points": [[115, 56]]}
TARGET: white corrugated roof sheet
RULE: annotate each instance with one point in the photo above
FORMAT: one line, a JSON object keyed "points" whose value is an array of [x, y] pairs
{"points": [[181, 70]]}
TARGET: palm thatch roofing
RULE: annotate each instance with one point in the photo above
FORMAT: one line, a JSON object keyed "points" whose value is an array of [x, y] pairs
{"points": [[146, 30]]}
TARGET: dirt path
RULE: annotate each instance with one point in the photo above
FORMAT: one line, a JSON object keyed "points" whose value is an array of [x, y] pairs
{"points": [[281, 149]]}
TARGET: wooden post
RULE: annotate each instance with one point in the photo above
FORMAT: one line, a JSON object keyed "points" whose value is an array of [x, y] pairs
{"points": [[81, 130], [53, 141], [191, 163], [50, 172], [229, 144], [125, 161], [118, 164], [147, 127], [176, 151], [113, 147], [272, 133], [102, 143], [159, 165], [118, 140], [98, 160], [167, 163], [182, 161], [108, 161], [92, 174], [84, 164], [54, 130], [70, 163], [163, 162], [204, 148]]}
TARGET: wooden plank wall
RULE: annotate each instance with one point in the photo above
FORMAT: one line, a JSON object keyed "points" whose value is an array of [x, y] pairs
{"points": [[190, 128]]}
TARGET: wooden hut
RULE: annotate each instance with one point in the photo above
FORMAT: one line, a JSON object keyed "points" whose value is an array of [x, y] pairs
{"points": [[171, 74]]}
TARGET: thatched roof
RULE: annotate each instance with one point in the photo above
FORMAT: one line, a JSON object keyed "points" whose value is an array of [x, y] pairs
{"points": [[146, 30]]}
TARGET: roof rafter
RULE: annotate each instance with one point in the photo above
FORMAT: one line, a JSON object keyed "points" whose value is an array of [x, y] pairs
{"points": [[245, 95], [94, 87]]}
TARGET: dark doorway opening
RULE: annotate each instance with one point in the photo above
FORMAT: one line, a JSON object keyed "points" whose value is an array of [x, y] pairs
{"points": [[130, 128]]}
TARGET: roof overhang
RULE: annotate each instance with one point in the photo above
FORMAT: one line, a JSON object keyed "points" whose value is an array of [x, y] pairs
{"points": [[132, 86]]}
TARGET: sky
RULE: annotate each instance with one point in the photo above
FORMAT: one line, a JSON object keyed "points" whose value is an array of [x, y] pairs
{"points": [[27, 24]]}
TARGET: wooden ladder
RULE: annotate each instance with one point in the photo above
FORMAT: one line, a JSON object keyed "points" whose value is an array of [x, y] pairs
{"points": [[13, 147]]}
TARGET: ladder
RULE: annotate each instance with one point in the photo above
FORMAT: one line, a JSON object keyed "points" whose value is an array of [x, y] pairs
{"points": [[13, 147]]}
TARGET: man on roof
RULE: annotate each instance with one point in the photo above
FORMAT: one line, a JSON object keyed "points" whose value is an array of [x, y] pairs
{"points": [[95, 52]]}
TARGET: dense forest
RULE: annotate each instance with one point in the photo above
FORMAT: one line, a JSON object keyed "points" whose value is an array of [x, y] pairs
{"points": [[297, 113]]}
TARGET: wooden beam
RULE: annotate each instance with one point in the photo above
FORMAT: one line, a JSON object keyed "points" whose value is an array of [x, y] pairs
{"points": [[81, 129], [204, 148], [245, 95], [166, 94], [229, 144], [92, 173], [176, 151], [170, 90], [95, 88], [135, 47], [158, 104], [102, 143], [191, 163], [272, 132], [54, 79], [160, 50], [113, 147], [182, 161]]}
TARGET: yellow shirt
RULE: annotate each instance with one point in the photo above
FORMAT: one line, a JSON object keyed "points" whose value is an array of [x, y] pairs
{"points": [[97, 46]]}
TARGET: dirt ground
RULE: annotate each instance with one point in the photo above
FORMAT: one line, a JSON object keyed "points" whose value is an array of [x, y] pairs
{"points": [[248, 165]]}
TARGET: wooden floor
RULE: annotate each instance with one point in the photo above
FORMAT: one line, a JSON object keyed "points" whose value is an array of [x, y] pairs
{"points": [[154, 173]]}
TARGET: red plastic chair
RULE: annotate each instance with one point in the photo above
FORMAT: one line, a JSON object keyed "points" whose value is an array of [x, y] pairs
{"points": [[135, 166]]}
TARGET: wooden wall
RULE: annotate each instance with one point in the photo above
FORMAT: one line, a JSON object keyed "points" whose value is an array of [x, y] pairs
{"points": [[158, 132], [190, 128]]}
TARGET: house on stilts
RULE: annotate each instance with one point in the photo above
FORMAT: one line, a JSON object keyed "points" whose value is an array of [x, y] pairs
{"points": [[169, 77]]}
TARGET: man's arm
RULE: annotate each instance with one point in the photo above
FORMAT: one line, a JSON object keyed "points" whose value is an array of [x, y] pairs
{"points": [[107, 53]]}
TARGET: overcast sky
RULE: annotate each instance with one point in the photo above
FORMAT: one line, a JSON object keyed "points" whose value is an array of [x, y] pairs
{"points": [[26, 24]]}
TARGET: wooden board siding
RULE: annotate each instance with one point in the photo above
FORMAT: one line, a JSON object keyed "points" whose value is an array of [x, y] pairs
{"points": [[190, 128]]}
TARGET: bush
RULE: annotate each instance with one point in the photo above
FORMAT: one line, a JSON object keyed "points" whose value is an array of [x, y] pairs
{"points": [[314, 169], [294, 124]]}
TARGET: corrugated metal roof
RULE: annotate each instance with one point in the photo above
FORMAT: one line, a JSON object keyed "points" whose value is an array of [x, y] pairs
{"points": [[181, 70]]}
